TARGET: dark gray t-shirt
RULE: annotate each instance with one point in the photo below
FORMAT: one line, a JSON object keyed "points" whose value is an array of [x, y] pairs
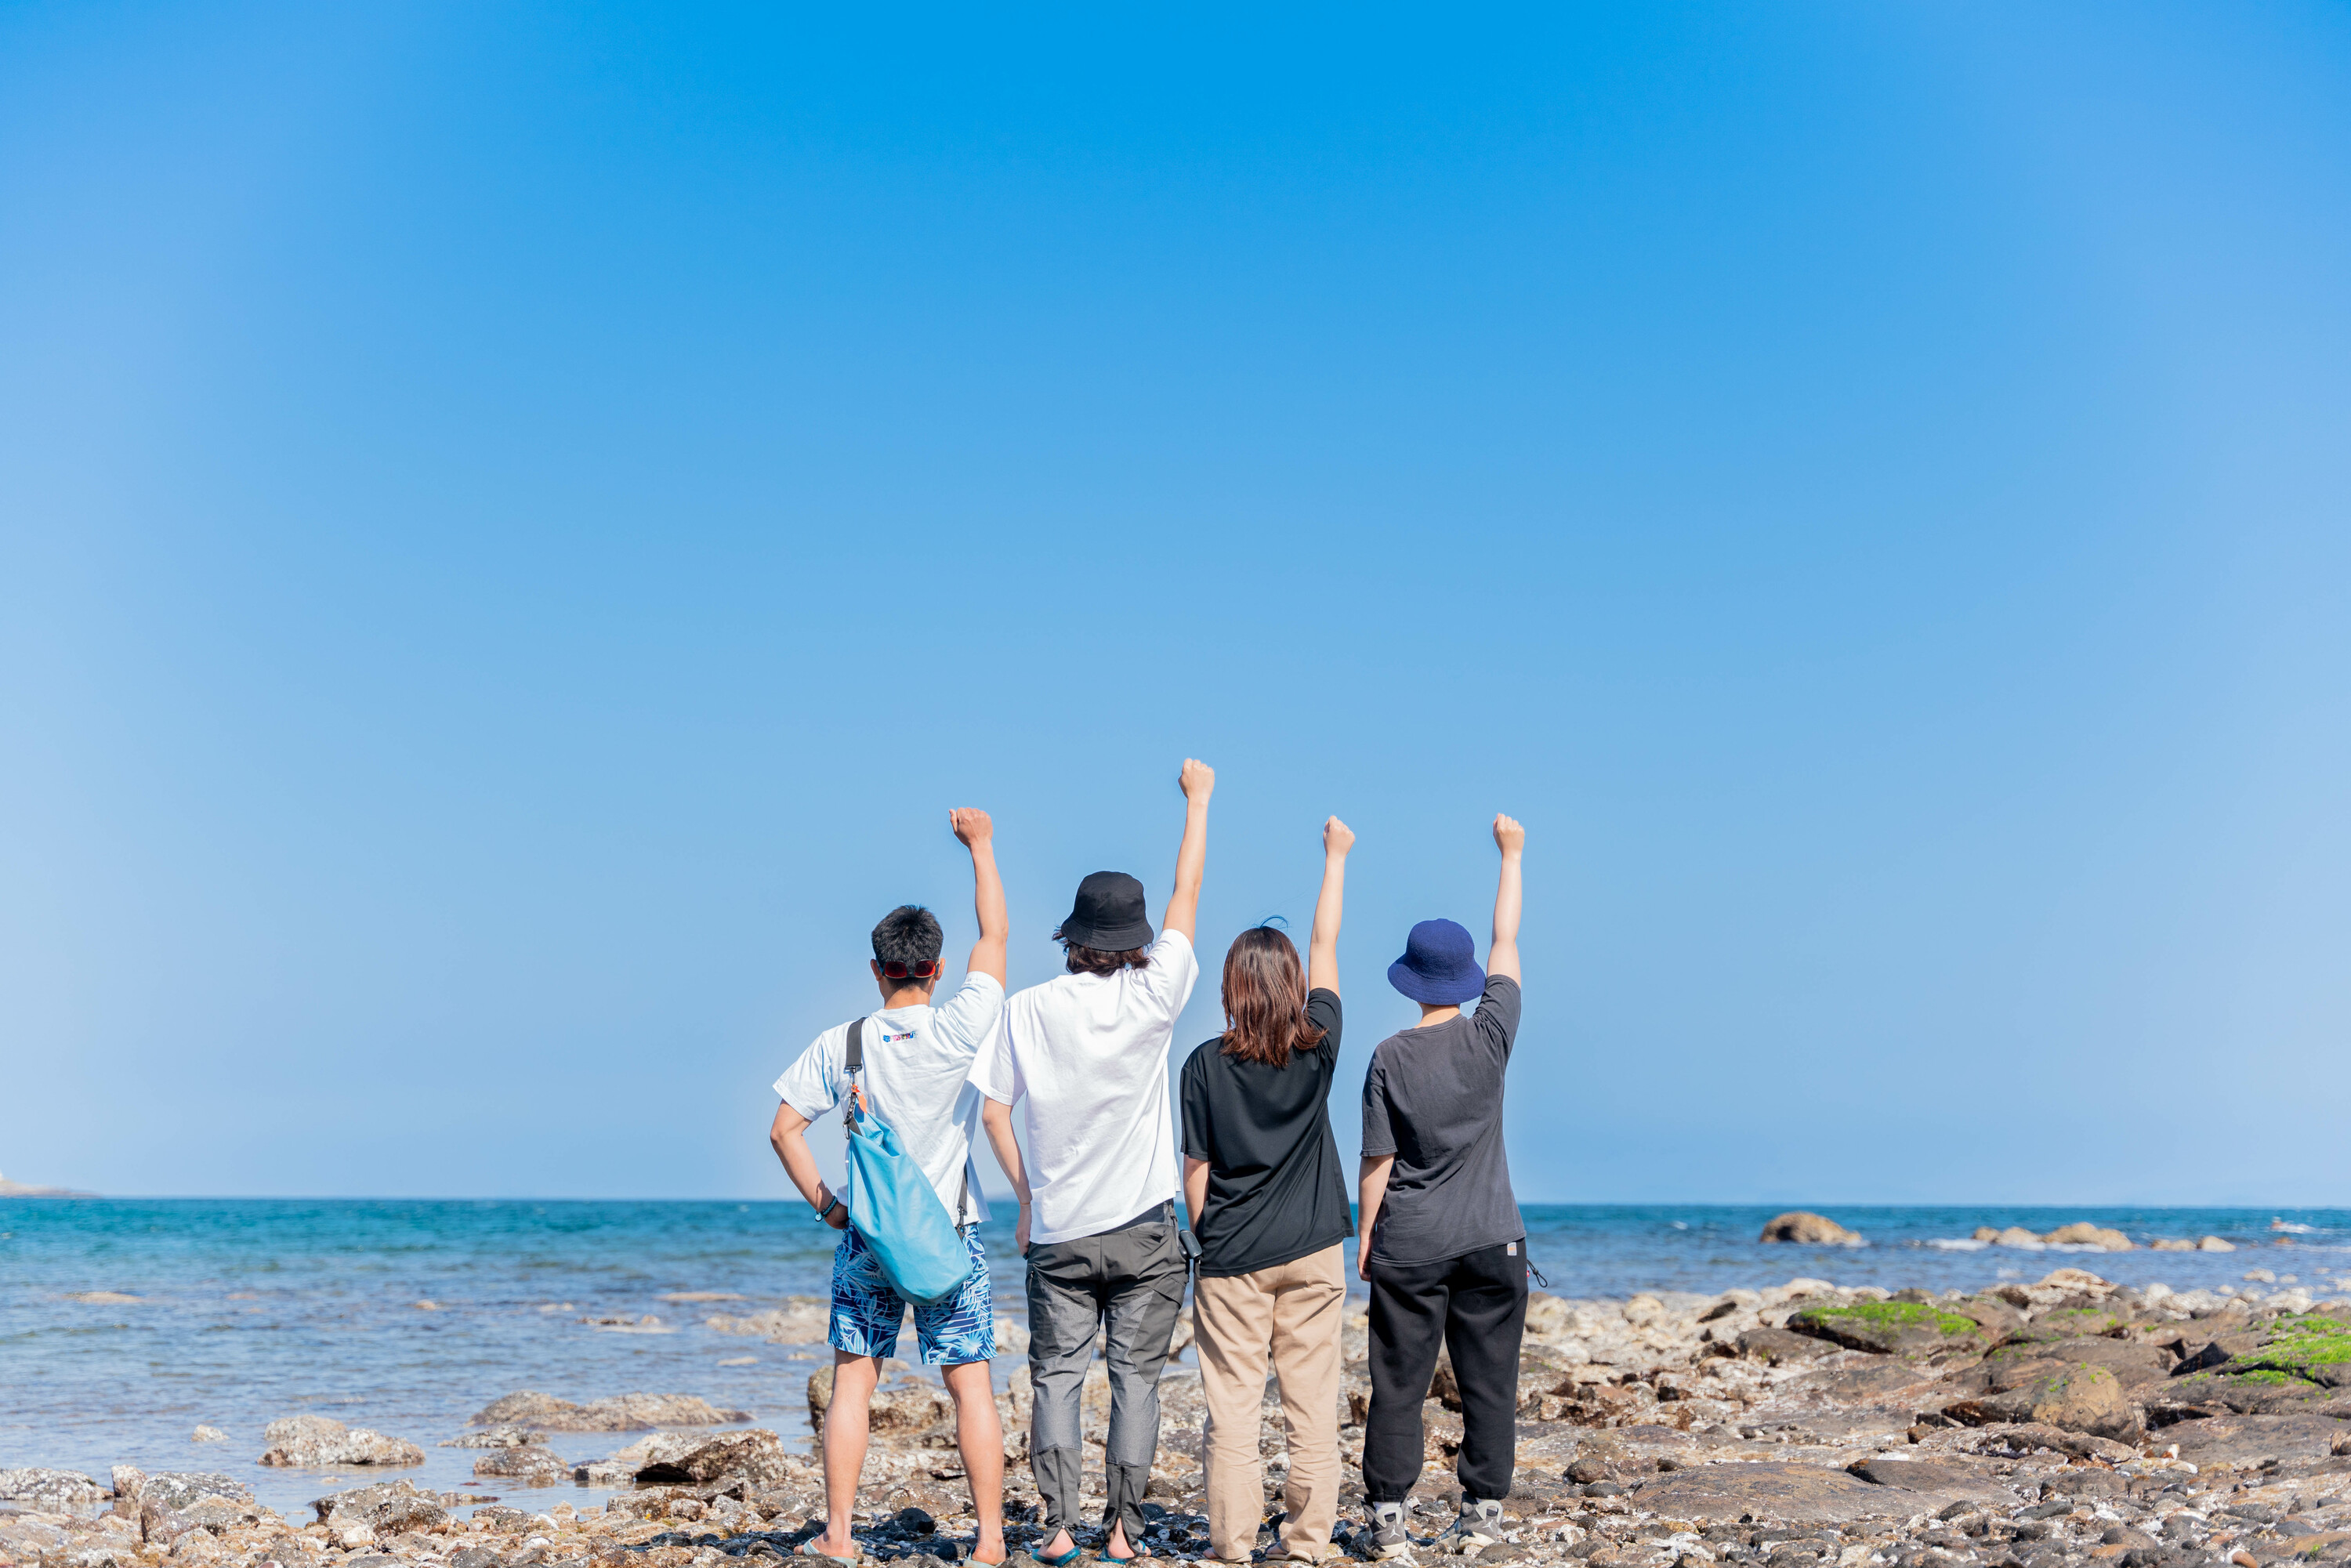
{"points": [[1434, 1100]]}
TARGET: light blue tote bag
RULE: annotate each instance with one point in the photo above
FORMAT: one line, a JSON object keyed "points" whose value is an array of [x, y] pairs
{"points": [[893, 1203]]}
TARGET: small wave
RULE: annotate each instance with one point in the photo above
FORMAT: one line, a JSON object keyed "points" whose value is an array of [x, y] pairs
{"points": [[1958, 1244]]}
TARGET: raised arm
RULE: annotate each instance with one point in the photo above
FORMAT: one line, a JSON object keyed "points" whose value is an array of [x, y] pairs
{"points": [[1198, 780], [1511, 840], [1322, 943], [977, 833]]}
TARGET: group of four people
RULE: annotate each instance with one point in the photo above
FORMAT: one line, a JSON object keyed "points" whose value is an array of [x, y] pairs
{"points": [[1083, 1060]]}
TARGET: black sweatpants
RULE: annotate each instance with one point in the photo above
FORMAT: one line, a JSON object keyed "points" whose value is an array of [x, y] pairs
{"points": [[1476, 1307]]}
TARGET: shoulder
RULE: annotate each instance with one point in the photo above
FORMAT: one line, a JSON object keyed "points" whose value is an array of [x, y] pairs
{"points": [[1501, 994], [1173, 948], [1323, 1006], [1204, 1060]]}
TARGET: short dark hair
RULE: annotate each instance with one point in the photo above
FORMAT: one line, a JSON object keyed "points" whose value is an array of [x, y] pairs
{"points": [[908, 936], [1094, 961]]}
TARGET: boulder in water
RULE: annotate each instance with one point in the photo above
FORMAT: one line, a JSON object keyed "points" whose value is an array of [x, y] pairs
{"points": [[1807, 1228]]}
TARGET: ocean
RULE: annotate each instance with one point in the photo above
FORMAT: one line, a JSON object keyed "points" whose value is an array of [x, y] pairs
{"points": [[124, 1322]]}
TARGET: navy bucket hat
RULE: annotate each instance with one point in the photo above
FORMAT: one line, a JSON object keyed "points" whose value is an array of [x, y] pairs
{"points": [[1439, 966]]}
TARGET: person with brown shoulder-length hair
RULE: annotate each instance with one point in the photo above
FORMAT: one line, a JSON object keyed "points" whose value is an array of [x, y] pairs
{"points": [[1269, 1202]]}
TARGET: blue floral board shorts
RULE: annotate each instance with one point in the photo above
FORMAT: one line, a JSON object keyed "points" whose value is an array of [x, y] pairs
{"points": [[867, 1309]]}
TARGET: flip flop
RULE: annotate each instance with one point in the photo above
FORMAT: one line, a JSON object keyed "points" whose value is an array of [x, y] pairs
{"points": [[1065, 1558], [807, 1549]]}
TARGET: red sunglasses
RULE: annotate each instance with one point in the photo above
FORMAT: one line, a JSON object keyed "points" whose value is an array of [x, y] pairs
{"points": [[922, 971]]}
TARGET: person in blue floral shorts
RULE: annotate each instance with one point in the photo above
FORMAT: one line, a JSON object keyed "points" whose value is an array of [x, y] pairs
{"points": [[915, 1079]]}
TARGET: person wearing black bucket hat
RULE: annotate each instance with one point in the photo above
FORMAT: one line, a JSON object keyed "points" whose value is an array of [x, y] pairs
{"points": [[1439, 1236], [1085, 1055]]}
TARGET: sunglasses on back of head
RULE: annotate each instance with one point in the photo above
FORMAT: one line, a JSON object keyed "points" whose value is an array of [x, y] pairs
{"points": [[924, 970]]}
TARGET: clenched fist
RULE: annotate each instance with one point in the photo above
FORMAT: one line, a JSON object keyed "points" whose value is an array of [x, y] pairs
{"points": [[1199, 780], [1337, 837], [971, 825], [1509, 837]]}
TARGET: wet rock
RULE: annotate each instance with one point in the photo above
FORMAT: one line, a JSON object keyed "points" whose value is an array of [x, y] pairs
{"points": [[1996, 1321], [207, 1435], [388, 1508], [179, 1488], [49, 1491], [756, 1455], [1777, 1346], [2082, 1233], [1805, 1227], [899, 1409], [1941, 1479], [215, 1514], [618, 1412], [22, 1539], [2073, 1398], [2133, 1365], [527, 1465], [497, 1437], [2248, 1440], [1890, 1328], [2310, 1346], [801, 1319], [304, 1441]]}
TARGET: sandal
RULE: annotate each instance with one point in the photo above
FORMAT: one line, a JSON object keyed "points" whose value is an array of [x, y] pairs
{"points": [[1065, 1558], [807, 1549]]}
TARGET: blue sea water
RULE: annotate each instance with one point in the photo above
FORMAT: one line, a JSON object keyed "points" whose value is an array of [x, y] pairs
{"points": [[247, 1309]]}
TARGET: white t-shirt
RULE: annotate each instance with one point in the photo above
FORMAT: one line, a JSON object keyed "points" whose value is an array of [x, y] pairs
{"points": [[916, 1076], [1089, 1052]]}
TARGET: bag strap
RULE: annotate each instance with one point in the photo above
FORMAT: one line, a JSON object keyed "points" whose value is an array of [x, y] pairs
{"points": [[852, 1062]]}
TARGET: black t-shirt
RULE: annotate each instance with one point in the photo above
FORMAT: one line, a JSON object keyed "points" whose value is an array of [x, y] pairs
{"points": [[1433, 1098], [1275, 1190]]}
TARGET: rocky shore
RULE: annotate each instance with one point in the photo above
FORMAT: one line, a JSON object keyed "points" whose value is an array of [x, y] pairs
{"points": [[2057, 1424]]}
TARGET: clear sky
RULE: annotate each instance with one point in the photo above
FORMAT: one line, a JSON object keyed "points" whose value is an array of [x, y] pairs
{"points": [[517, 522]]}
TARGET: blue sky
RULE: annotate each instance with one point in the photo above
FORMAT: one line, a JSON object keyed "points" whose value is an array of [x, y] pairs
{"points": [[516, 524]]}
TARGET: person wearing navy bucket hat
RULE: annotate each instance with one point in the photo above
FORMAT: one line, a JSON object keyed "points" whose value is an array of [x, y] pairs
{"points": [[1439, 1236]]}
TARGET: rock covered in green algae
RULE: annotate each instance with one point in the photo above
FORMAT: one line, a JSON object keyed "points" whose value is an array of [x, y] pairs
{"points": [[1891, 1328]]}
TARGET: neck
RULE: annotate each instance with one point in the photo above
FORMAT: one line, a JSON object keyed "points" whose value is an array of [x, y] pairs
{"points": [[907, 997], [1429, 1015]]}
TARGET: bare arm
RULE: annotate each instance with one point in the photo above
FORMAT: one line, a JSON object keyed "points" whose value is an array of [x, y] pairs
{"points": [[1195, 1189], [978, 835], [1184, 905], [1371, 1187], [1322, 943], [997, 1117], [1503, 958], [788, 1136]]}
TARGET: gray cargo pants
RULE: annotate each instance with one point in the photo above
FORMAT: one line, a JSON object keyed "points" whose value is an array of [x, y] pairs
{"points": [[1130, 1282]]}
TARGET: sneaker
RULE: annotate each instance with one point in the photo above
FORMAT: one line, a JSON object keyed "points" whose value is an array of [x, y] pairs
{"points": [[1388, 1538], [1479, 1526]]}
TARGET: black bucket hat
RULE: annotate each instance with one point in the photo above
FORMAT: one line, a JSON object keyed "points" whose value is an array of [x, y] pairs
{"points": [[1108, 916]]}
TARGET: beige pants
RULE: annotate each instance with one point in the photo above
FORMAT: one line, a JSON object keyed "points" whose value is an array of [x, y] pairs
{"points": [[1290, 1313]]}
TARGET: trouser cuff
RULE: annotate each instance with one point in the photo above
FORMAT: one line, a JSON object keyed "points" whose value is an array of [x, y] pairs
{"points": [[1056, 1473], [1126, 1484]]}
